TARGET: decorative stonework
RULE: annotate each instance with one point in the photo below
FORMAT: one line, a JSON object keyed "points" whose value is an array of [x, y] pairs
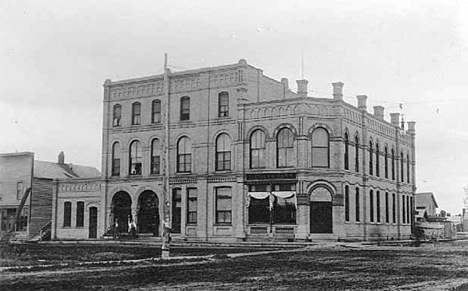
{"points": [[226, 78], [85, 187], [221, 179]]}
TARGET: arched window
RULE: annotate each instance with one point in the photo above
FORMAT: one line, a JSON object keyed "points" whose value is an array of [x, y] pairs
{"points": [[346, 203], [371, 159], [403, 210], [393, 208], [156, 111], [284, 148], [79, 214], [393, 164], [117, 120], [136, 113], [407, 168], [357, 205], [402, 165], [387, 207], [386, 162], [155, 156], [257, 149], [346, 152], [320, 148], [185, 108], [356, 154], [116, 159], [371, 205], [135, 158], [184, 155], [223, 104], [377, 162], [223, 152], [67, 214], [377, 196]]}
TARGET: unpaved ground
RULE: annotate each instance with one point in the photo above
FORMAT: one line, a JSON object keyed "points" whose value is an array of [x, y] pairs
{"points": [[440, 267]]}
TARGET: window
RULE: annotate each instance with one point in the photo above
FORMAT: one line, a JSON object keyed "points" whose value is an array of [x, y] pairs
{"points": [[19, 190], [402, 166], [403, 211], [284, 148], [357, 205], [136, 113], [176, 210], [184, 155], [378, 205], [346, 203], [320, 148], [155, 157], [386, 163], [408, 209], [356, 154], [117, 120], [283, 204], [116, 159], [346, 152], [393, 164], [67, 214], [259, 204], [223, 104], [156, 111], [371, 162], [223, 205], [377, 162], [371, 205], [80, 214], [192, 205], [223, 152], [7, 219], [185, 108], [241, 76], [257, 149], [407, 168], [135, 158], [387, 214], [393, 208]]}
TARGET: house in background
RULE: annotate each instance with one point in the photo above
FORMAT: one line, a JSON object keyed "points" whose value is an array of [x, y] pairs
{"points": [[18, 172], [426, 205], [434, 226]]}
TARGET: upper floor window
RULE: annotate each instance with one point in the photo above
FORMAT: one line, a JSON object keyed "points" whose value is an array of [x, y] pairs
{"points": [[346, 152], [407, 168], [377, 160], [136, 113], [223, 103], [19, 190], [185, 108], [184, 155], [386, 162], [371, 159], [393, 164], [156, 111], [356, 154], [402, 165], [285, 148], [257, 149], [223, 152], [117, 116], [116, 159], [320, 148], [155, 156], [135, 158]]}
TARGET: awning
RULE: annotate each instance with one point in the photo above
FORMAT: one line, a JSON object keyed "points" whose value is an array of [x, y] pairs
{"points": [[272, 195]]}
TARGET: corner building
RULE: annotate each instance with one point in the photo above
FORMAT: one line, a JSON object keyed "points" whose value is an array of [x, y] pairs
{"points": [[250, 160]]}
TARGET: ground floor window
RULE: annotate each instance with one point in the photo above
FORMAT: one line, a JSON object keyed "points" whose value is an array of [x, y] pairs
{"points": [[272, 204], [7, 219], [223, 205]]}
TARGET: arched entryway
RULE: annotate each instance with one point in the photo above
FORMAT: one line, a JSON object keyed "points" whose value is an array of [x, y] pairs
{"points": [[321, 215], [148, 213], [121, 210]]}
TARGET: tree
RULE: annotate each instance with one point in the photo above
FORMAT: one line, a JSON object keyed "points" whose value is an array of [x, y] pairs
{"points": [[443, 213]]}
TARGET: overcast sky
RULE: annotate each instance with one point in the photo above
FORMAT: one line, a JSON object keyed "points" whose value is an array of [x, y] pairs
{"points": [[55, 56]]}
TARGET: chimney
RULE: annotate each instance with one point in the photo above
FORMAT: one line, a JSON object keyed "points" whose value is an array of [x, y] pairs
{"points": [[411, 127], [302, 88], [362, 102], [379, 112], [338, 90], [285, 83], [395, 118], [61, 158], [402, 122]]}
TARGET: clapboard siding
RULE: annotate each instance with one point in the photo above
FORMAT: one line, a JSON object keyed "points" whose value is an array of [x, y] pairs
{"points": [[41, 204]]}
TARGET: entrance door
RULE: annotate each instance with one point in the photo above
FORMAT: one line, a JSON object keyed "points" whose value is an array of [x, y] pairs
{"points": [[121, 210], [93, 222], [176, 210], [148, 213], [321, 217]]}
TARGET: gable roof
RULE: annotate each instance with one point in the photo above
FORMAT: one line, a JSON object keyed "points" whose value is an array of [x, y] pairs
{"points": [[51, 170], [425, 198]]}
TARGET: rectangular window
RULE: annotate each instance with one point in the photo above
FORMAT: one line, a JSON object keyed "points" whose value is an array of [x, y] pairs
{"points": [[223, 205], [223, 101], [176, 210], [192, 205], [371, 205], [67, 214], [387, 214], [185, 108], [156, 116], [155, 164], [403, 212], [378, 205], [116, 167], [223, 161], [357, 204], [320, 156], [346, 203], [136, 113], [19, 190], [117, 115], [80, 214], [394, 208], [257, 158], [285, 155], [185, 163]]}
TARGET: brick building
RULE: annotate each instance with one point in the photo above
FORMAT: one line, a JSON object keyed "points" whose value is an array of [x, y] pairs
{"points": [[249, 160]]}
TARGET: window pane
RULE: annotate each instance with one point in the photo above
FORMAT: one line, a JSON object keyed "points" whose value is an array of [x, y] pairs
{"points": [[320, 157], [80, 214], [259, 210], [320, 137]]}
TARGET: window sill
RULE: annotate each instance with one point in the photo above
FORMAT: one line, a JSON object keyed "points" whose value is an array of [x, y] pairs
{"points": [[223, 224]]}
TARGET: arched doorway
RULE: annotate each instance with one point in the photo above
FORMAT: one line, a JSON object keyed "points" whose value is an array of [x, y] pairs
{"points": [[321, 215], [121, 209], [148, 213]]}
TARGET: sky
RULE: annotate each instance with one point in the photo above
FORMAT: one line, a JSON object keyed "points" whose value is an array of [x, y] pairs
{"points": [[56, 54]]}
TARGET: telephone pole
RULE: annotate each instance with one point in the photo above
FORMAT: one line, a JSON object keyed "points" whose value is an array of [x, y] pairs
{"points": [[166, 210]]}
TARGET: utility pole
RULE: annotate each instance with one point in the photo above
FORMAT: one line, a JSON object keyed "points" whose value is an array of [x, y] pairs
{"points": [[166, 210]]}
